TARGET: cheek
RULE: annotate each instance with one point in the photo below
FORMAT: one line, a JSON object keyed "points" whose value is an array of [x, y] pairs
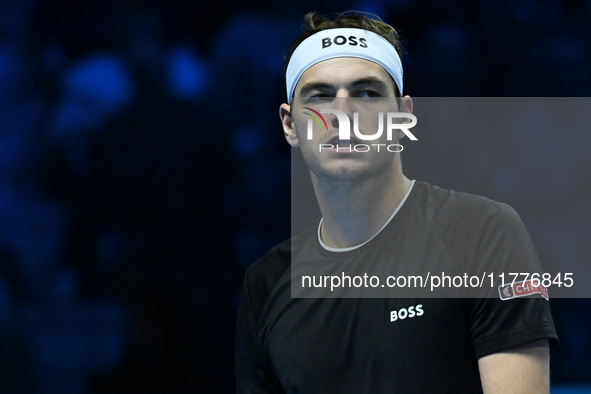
{"points": [[369, 123], [304, 125], [298, 124]]}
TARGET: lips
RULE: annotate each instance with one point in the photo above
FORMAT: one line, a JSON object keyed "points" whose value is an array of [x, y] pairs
{"points": [[336, 141]]}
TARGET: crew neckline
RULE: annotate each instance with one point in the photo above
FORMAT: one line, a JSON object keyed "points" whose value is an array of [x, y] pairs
{"points": [[351, 248]]}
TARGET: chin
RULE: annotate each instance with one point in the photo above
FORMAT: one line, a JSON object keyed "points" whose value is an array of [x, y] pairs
{"points": [[345, 173]]}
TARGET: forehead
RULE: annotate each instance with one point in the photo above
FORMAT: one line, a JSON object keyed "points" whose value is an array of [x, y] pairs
{"points": [[340, 71]]}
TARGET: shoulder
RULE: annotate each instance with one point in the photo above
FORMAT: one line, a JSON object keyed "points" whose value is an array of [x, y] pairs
{"points": [[262, 276], [477, 232], [445, 208]]}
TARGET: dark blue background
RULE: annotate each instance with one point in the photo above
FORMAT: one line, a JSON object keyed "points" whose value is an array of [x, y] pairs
{"points": [[143, 168]]}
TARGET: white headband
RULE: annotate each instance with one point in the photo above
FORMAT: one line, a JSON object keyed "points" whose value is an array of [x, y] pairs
{"points": [[342, 42]]}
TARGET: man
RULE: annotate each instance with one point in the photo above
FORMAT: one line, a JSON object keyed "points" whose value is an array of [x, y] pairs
{"points": [[374, 216]]}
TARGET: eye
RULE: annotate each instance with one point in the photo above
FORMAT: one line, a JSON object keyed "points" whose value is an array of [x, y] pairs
{"points": [[368, 93], [319, 97]]}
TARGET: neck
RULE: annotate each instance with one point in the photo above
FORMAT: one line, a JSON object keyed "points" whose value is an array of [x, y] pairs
{"points": [[354, 211]]}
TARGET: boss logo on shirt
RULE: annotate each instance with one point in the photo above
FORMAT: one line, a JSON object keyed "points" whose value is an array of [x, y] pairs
{"points": [[409, 312], [342, 40]]}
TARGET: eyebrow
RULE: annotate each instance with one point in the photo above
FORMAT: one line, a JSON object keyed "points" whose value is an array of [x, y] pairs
{"points": [[314, 85], [355, 84], [369, 81]]}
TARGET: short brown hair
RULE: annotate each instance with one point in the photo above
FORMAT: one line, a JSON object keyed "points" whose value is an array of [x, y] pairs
{"points": [[315, 22]]}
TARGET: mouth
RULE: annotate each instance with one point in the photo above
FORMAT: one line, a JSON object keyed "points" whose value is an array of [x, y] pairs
{"points": [[336, 141]]}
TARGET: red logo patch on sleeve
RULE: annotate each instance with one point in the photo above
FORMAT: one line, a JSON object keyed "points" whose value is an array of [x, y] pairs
{"points": [[522, 289]]}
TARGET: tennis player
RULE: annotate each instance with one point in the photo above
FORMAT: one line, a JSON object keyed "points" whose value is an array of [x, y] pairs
{"points": [[371, 212]]}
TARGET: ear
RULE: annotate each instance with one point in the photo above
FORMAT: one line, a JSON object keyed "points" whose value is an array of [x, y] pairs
{"points": [[288, 125], [406, 104]]}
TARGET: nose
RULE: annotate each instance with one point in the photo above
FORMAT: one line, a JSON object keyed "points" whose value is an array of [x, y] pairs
{"points": [[342, 102], [342, 93], [334, 121], [345, 110]]}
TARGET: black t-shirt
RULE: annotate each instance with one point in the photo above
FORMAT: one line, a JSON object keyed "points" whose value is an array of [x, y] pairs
{"points": [[379, 345]]}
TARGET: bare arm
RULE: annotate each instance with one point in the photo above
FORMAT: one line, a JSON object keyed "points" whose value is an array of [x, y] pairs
{"points": [[524, 369]]}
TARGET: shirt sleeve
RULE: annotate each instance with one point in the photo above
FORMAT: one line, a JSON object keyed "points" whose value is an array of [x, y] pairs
{"points": [[254, 374], [496, 325]]}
